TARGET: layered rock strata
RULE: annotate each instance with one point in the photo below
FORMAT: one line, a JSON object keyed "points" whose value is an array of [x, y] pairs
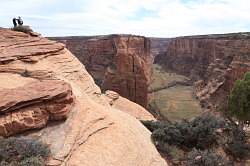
{"points": [[121, 63], [31, 106], [40, 80], [214, 61]]}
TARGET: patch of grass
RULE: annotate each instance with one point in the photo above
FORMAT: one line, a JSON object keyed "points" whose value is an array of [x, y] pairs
{"points": [[174, 103], [161, 78]]}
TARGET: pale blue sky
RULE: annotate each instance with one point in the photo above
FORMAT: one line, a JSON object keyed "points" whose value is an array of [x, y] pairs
{"points": [[159, 18]]}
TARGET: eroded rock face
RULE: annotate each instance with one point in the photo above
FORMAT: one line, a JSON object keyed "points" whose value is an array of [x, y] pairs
{"points": [[158, 46], [32, 105], [214, 61], [121, 63], [52, 84]]}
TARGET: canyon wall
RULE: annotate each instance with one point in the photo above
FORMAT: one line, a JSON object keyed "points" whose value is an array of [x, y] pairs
{"points": [[158, 45], [44, 87], [121, 63], [213, 62]]}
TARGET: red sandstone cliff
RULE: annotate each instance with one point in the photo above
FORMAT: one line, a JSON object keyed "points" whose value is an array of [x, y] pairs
{"points": [[158, 45], [214, 61], [41, 82], [121, 63]]}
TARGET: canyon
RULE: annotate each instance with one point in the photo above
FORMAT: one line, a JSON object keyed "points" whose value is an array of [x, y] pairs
{"points": [[121, 63], [212, 62], [92, 102], [48, 95]]}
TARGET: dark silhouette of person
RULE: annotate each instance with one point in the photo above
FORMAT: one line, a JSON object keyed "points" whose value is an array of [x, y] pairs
{"points": [[14, 22], [18, 21]]}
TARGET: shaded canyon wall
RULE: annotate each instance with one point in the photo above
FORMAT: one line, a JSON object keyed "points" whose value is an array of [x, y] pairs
{"points": [[213, 62], [121, 63]]}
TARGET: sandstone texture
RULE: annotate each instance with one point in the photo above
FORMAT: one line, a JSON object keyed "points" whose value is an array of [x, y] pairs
{"points": [[31, 106], [213, 62], [133, 109], [44, 87], [121, 63]]}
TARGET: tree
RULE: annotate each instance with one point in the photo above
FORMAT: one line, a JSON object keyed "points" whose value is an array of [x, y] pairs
{"points": [[239, 100]]}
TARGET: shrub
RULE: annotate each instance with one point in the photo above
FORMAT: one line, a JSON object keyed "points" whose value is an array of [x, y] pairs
{"points": [[32, 161], [236, 144], [154, 125], [206, 158], [17, 151], [239, 99], [199, 133]]}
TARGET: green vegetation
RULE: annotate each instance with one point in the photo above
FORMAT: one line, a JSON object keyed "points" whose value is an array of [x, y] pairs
{"points": [[197, 140], [236, 143], [206, 133], [22, 152], [199, 133], [161, 78], [206, 158], [171, 96], [239, 99]]}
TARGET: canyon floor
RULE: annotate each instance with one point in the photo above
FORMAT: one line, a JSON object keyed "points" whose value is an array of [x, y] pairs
{"points": [[172, 95]]}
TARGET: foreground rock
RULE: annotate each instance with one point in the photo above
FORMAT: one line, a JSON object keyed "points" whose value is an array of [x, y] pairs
{"points": [[214, 62], [121, 63], [32, 105], [41, 76]]}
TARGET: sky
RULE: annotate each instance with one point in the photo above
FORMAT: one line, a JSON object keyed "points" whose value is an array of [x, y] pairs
{"points": [[151, 18]]}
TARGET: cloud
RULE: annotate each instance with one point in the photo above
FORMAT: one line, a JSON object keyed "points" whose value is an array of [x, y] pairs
{"points": [[161, 18]]}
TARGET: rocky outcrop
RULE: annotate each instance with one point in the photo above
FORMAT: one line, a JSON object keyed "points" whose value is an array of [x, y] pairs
{"points": [[214, 61], [41, 82], [116, 101], [121, 63], [31, 106]]}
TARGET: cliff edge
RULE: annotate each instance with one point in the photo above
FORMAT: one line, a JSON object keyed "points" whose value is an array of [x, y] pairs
{"points": [[121, 63], [44, 87]]}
